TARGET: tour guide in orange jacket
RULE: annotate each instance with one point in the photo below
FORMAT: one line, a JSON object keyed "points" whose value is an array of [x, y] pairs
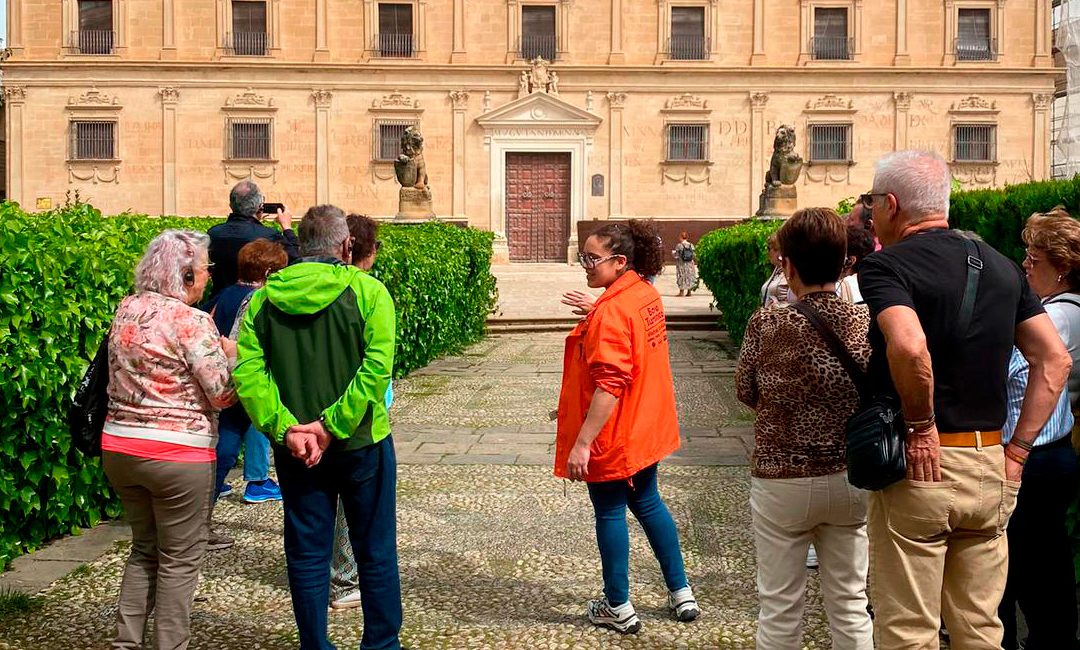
{"points": [[617, 417]]}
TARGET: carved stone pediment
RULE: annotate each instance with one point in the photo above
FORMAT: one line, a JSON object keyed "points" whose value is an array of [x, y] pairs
{"points": [[974, 104], [830, 104], [396, 101], [94, 98], [539, 110], [686, 103], [250, 100]]}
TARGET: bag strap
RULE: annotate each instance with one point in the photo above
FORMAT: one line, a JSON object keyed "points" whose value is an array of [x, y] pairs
{"points": [[858, 376], [1066, 301], [974, 269]]}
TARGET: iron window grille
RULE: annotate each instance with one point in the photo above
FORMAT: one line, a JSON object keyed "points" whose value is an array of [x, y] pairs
{"points": [[975, 143], [249, 138], [95, 34], [830, 143], [688, 41], [92, 140], [386, 145], [831, 40], [538, 33], [687, 142], [249, 35], [973, 38], [395, 36]]}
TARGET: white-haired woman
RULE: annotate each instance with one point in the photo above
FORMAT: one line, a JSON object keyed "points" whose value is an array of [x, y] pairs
{"points": [[169, 375]]}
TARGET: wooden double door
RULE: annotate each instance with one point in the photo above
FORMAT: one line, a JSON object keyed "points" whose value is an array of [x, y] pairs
{"points": [[538, 206]]}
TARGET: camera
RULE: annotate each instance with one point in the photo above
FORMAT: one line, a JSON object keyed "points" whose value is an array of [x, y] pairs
{"points": [[270, 209]]}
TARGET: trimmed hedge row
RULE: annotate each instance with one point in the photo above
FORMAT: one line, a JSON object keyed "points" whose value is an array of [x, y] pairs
{"points": [[733, 264], [62, 275]]}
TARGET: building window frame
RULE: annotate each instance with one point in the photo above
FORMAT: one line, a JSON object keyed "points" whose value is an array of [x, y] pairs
{"points": [[372, 44], [379, 147], [249, 43], [673, 128], [807, 25], [515, 51], [226, 42], [996, 9], [815, 127], [663, 36], [538, 47], [232, 121], [74, 148], [69, 10], [991, 143], [1058, 159]]}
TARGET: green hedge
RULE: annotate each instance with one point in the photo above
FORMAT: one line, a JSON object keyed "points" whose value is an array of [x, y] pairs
{"points": [[62, 274]]}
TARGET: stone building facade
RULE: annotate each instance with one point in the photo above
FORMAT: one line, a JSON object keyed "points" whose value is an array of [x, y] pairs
{"points": [[658, 108]]}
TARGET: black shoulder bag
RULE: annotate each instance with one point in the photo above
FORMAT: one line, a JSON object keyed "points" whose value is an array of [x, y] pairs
{"points": [[876, 432], [86, 415]]}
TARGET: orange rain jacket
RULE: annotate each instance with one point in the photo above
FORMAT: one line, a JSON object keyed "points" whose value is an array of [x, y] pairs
{"points": [[622, 348]]}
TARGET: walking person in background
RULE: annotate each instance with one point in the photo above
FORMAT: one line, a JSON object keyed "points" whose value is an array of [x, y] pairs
{"points": [[775, 292], [799, 492], [168, 378], [616, 417], [685, 265], [316, 352], [1041, 578], [937, 539]]}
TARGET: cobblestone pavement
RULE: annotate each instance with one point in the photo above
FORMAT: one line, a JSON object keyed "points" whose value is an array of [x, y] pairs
{"points": [[499, 557]]}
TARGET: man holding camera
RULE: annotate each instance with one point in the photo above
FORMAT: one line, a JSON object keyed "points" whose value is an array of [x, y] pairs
{"points": [[245, 225]]}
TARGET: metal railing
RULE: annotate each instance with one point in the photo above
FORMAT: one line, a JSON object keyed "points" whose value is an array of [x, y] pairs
{"points": [[975, 143], [247, 43], [829, 48], [687, 143], [976, 49], [830, 143], [249, 139], [92, 140], [394, 45], [386, 145], [92, 41], [688, 48], [542, 46]]}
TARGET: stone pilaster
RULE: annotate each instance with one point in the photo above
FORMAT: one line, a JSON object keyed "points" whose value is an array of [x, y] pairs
{"points": [[615, 156], [459, 100], [170, 98], [758, 101]]}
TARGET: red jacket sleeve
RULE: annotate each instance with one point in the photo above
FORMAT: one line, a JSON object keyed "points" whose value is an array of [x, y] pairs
{"points": [[609, 352]]}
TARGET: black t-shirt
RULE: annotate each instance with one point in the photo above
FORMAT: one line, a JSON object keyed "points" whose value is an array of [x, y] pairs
{"points": [[928, 272]]}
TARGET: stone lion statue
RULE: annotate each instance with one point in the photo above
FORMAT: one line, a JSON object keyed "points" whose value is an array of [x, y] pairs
{"points": [[785, 165], [409, 167]]}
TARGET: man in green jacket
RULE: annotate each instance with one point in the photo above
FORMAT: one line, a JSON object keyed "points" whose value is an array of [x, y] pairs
{"points": [[314, 358]]}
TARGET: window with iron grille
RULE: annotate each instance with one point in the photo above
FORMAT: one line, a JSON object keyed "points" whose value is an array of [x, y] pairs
{"points": [[395, 37], [95, 35], [688, 42], [387, 141], [249, 36], [687, 142], [975, 142], [973, 38], [92, 140], [249, 138], [831, 41], [830, 142], [538, 32]]}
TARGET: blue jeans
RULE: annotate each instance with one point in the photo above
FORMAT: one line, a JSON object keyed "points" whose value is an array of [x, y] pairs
{"points": [[366, 482], [610, 501], [256, 452]]}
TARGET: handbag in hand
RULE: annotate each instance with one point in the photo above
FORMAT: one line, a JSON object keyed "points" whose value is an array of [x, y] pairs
{"points": [[86, 415]]}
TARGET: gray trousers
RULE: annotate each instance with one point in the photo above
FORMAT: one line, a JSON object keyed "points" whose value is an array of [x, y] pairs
{"points": [[168, 506], [344, 576]]}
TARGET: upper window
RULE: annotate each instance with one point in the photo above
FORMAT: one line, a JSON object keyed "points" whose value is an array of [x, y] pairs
{"points": [[92, 140], [249, 36], [688, 41], [973, 37], [538, 32], [830, 41], [249, 139], [387, 144], [975, 143], [395, 37], [830, 143], [687, 142], [95, 35]]}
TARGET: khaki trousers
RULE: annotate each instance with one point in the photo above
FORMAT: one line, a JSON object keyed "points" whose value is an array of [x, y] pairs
{"points": [[168, 507], [788, 514], [938, 550]]}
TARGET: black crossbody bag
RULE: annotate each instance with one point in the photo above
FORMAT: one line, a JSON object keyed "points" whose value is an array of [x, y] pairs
{"points": [[876, 431]]}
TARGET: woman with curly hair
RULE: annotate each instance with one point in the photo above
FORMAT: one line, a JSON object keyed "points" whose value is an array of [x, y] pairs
{"points": [[616, 417]]}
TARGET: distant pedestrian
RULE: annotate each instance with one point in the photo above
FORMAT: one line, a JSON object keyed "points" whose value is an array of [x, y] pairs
{"points": [[616, 417], [799, 492], [685, 264], [168, 378]]}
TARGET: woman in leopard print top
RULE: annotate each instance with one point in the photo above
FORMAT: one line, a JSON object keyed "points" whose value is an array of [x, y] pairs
{"points": [[799, 492]]}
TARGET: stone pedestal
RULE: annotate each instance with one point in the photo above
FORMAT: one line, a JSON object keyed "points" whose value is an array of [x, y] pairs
{"points": [[778, 202], [414, 204]]}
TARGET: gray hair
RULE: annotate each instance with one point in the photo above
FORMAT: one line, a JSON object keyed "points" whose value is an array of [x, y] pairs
{"points": [[167, 257], [322, 230], [245, 199], [920, 181]]}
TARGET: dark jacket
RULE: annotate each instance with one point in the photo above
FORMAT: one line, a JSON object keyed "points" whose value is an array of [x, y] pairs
{"points": [[228, 238]]}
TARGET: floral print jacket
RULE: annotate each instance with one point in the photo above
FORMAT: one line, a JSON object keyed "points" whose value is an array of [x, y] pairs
{"points": [[168, 374]]}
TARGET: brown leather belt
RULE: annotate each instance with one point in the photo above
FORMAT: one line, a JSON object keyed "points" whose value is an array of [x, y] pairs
{"points": [[978, 439]]}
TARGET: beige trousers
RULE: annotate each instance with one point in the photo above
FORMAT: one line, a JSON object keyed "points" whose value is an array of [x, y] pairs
{"points": [[939, 550], [168, 507], [788, 515]]}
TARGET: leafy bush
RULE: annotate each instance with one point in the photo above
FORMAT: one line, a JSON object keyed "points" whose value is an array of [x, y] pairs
{"points": [[733, 263], [62, 275]]}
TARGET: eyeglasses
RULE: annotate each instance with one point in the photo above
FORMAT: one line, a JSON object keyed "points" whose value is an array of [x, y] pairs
{"points": [[867, 200], [1031, 260], [589, 261]]}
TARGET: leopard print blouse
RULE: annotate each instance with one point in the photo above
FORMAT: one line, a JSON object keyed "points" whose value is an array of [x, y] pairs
{"points": [[801, 392]]}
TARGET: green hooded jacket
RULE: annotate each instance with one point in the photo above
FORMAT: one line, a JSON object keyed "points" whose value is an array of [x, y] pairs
{"points": [[318, 341]]}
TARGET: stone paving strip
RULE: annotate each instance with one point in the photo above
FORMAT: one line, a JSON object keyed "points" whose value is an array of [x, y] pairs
{"points": [[492, 557]]}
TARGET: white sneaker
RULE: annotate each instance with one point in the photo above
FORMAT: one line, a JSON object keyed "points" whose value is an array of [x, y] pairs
{"points": [[811, 558], [682, 603], [622, 619], [348, 601]]}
